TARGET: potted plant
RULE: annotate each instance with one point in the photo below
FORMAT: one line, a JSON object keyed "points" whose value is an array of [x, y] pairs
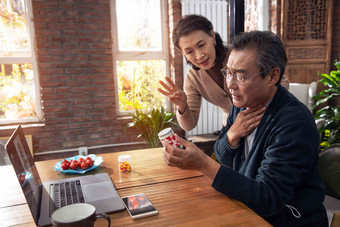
{"points": [[327, 107], [149, 123]]}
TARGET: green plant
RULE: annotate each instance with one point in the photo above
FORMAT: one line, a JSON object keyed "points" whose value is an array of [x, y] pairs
{"points": [[150, 123], [330, 113]]}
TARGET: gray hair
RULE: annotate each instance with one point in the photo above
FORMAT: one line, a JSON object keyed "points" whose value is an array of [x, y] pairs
{"points": [[269, 47]]}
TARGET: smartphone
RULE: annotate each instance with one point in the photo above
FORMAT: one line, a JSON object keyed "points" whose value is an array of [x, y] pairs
{"points": [[139, 206]]}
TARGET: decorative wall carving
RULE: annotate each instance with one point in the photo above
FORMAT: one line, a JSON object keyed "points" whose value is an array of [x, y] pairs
{"points": [[306, 53], [306, 73]]}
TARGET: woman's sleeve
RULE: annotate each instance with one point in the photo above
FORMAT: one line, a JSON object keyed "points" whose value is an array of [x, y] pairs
{"points": [[188, 120]]}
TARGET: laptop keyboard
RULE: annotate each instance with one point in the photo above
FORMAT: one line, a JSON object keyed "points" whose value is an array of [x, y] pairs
{"points": [[65, 193]]}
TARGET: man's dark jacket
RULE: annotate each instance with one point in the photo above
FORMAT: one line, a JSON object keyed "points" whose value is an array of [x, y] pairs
{"points": [[279, 179]]}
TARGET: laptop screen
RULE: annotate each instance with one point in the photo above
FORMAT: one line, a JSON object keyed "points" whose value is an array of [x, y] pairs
{"points": [[25, 169]]}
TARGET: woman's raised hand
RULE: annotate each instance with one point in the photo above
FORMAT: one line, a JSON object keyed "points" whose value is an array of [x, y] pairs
{"points": [[175, 95]]}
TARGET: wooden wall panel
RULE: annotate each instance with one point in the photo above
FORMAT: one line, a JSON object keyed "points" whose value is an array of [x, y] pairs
{"points": [[306, 33], [304, 73]]}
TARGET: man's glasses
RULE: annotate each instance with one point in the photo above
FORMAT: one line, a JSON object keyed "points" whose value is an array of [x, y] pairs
{"points": [[240, 80]]}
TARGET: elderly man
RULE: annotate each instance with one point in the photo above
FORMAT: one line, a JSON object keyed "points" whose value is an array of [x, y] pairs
{"points": [[268, 151]]}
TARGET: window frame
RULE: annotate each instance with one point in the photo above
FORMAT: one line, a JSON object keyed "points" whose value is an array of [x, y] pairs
{"points": [[14, 59], [139, 55]]}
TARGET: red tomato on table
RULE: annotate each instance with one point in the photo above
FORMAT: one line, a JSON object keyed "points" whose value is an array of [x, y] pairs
{"points": [[84, 165], [80, 160], [74, 165], [65, 165], [89, 162], [65, 161]]}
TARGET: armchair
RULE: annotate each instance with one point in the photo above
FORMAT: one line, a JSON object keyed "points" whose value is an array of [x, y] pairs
{"points": [[304, 92]]}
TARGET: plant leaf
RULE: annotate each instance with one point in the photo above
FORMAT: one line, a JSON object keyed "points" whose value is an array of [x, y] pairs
{"points": [[150, 122]]}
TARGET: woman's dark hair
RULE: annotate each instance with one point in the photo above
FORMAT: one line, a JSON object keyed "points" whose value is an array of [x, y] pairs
{"points": [[269, 47], [190, 23]]}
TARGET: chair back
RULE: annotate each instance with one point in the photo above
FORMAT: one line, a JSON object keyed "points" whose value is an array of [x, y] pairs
{"points": [[304, 92]]}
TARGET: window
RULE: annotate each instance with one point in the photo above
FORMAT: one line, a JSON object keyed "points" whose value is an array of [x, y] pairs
{"points": [[19, 84], [140, 53]]}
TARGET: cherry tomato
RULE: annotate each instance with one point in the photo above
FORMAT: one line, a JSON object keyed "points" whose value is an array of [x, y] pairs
{"points": [[74, 165], [74, 161], [65, 165], [65, 161], [80, 160], [89, 162], [84, 165], [88, 158]]}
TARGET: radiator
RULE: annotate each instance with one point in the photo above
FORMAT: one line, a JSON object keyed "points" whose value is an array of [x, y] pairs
{"points": [[211, 116]]}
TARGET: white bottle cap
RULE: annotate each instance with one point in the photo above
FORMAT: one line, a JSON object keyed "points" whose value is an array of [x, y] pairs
{"points": [[123, 158], [165, 133]]}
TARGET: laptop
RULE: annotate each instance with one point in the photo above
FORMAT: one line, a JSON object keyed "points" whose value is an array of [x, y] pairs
{"points": [[97, 189]]}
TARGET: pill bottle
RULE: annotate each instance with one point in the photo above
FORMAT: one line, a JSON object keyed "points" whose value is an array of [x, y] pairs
{"points": [[168, 135], [124, 162]]}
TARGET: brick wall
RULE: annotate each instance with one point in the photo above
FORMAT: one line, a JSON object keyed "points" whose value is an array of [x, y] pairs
{"points": [[176, 68], [76, 73]]}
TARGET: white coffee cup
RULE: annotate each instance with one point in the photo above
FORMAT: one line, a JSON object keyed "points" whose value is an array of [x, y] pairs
{"points": [[79, 214]]}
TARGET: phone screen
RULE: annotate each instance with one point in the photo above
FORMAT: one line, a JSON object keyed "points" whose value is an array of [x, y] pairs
{"points": [[139, 206]]}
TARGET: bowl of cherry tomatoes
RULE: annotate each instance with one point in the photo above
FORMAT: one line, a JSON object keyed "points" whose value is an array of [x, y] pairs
{"points": [[78, 164]]}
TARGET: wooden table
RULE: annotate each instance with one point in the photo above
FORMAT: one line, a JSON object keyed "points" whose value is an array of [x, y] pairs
{"points": [[148, 167], [11, 193], [182, 197]]}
